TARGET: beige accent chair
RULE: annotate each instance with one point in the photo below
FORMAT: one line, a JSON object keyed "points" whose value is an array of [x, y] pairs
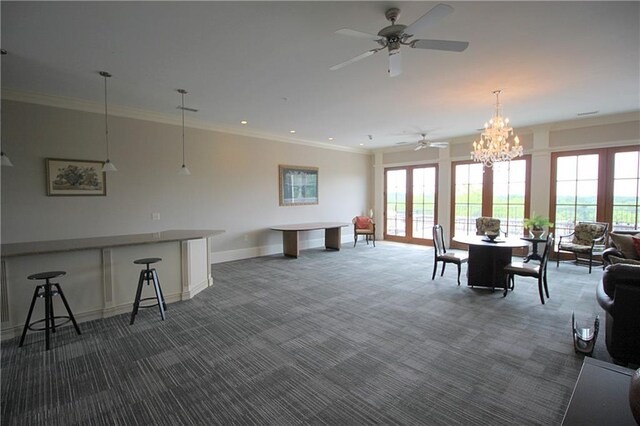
{"points": [[586, 238], [486, 224], [364, 225]]}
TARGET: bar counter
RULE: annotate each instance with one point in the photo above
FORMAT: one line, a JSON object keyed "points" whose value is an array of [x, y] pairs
{"points": [[101, 277]]}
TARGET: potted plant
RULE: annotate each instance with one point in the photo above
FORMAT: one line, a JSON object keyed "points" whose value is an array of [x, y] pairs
{"points": [[536, 224]]}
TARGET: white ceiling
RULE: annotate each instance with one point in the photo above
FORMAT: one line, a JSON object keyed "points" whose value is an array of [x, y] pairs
{"points": [[241, 60]]}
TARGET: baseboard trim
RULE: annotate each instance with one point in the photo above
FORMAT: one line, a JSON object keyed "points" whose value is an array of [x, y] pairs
{"points": [[9, 332], [186, 295], [268, 250]]}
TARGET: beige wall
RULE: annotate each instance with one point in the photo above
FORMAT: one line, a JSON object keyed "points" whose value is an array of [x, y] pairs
{"points": [[233, 185], [596, 134]]}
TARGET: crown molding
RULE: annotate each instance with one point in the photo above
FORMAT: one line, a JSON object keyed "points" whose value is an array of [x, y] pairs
{"points": [[146, 115]]}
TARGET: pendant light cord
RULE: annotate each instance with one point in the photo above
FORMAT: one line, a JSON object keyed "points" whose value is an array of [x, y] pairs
{"points": [[182, 94], [106, 122]]}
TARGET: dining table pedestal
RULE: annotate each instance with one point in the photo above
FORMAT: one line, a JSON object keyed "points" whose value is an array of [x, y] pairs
{"points": [[487, 259]]}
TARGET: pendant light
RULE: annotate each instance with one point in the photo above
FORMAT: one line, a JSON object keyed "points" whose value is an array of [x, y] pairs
{"points": [[184, 170], [4, 160], [108, 165]]}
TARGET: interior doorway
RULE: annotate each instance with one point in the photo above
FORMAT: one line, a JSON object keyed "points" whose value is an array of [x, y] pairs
{"points": [[410, 203]]}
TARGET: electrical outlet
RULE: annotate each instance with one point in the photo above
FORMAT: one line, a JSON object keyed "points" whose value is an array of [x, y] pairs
{"points": [[155, 216]]}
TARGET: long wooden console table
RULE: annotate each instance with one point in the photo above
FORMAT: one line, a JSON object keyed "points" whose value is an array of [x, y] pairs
{"points": [[291, 235]]}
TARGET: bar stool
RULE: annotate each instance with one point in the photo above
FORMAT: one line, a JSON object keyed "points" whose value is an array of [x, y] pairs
{"points": [[149, 275], [47, 291]]}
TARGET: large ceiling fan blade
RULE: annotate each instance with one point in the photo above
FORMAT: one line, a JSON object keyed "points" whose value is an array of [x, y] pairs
{"points": [[448, 45], [395, 63], [359, 34], [352, 60], [440, 144], [436, 13]]}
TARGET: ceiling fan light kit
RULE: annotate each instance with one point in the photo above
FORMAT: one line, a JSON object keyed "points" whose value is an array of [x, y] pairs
{"points": [[395, 35], [493, 145], [424, 143]]}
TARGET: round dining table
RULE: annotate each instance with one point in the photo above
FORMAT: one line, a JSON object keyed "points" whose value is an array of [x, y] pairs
{"points": [[487, 259]]}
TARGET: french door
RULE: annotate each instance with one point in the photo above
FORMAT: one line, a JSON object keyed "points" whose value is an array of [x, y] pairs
{"points": [[410, 203]]}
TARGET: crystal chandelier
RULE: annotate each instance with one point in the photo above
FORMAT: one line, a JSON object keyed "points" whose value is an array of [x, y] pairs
{"points": [[494, 145]]}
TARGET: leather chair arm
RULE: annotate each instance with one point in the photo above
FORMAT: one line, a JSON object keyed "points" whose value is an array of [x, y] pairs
{"points": [[603, 298], [611, 251], [620, 273]]}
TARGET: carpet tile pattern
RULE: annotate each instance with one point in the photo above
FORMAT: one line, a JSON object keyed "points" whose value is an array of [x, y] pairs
{"points": [[359, 336]]}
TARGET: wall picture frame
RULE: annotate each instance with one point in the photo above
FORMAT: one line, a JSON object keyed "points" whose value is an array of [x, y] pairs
{"points": [[298, 185], [75, 177]]}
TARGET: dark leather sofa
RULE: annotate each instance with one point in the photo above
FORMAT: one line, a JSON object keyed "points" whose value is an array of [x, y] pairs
{"points": [[619, 295]]}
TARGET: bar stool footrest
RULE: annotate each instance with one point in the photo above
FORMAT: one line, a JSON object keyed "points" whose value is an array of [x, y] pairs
{"points": [[57, 324]]}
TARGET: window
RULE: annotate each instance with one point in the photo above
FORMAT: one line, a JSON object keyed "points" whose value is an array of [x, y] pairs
{"points": [[468, 184], [424, 202], [502, 191], [395, 206], [595, 185], [509, 195], [410, 203], [576, 191], [626, 188]]}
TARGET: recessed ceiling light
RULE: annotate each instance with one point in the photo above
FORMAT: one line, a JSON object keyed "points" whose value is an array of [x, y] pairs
{"points": [[244, 122], [330, 139], [292, 131], [361, 144], [580, 114]]}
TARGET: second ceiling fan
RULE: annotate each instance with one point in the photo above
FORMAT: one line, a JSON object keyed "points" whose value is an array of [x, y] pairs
{"points": [[396, 35]]}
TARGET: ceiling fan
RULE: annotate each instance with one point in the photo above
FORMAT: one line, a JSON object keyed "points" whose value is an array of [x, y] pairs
{"points": [[396, 35], [424, 143]]}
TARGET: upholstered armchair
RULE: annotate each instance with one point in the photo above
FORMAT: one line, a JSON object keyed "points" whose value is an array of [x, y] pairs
{"points": [[364, 225], [486, 224], [619, 295], [586, 238]]}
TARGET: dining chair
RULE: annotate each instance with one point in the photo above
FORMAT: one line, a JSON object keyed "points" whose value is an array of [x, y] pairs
{"points": [[530, 270], [441, 254]]}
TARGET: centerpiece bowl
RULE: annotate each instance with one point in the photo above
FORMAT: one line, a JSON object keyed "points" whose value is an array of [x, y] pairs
{"points": [[491, 235]]}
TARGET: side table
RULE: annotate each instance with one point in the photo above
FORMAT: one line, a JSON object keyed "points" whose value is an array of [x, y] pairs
{"points": [[534, 252], [601, 396]]}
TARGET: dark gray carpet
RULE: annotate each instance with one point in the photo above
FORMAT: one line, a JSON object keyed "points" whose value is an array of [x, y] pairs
{"points": [[360, 336]]}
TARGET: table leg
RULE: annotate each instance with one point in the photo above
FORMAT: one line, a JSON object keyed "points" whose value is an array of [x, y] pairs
{"points": [[332, 238], [533, 255], [290, 244]]}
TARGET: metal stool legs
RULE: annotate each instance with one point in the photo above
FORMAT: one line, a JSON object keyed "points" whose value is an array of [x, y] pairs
{"points": [[150, 276], [47, 291]]}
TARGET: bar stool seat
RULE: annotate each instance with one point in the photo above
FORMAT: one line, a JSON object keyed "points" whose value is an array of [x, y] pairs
{"points": [[47, 291], [150, 276]]}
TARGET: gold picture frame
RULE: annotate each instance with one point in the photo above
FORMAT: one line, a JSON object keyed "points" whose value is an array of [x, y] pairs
{"points": [[75, 177], [298, 185]]}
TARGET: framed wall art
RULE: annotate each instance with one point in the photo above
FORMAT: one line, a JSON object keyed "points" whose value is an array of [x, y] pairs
{"points": [[298, 185], [75, 177]]}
